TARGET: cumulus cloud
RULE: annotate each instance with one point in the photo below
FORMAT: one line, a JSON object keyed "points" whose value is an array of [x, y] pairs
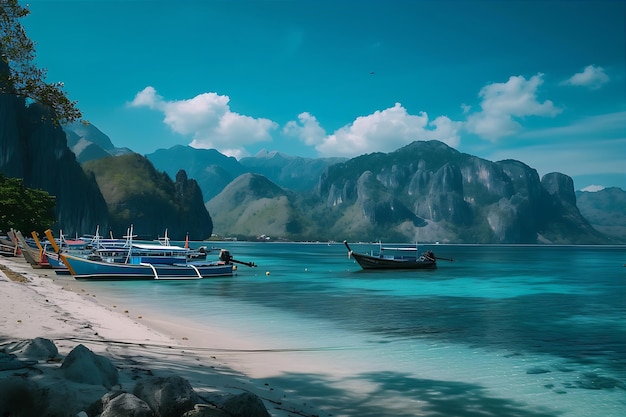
{"points": [[504, 104], [592, 77], [382, 131], [307, 129], [207, 118]]}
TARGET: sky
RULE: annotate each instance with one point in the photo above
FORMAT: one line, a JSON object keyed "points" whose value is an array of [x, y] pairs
{"points": [[542, 82]]}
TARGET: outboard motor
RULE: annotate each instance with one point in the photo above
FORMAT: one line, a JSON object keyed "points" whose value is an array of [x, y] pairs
{"points": [[225, 256]]}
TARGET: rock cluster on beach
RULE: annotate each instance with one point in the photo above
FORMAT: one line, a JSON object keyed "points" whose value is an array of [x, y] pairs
{"points": [[35, 381]]}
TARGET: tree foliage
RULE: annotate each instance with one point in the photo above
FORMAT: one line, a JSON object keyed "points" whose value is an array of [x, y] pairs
{"points": [[22, 208], [24, 78]]}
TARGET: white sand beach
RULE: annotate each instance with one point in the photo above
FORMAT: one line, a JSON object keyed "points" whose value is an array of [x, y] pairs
{"points": [[36, 303]]}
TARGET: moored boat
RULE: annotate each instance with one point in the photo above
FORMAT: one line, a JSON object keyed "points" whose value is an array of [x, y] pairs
{"points": [[136, 268], [395, 258], [146, 261]]}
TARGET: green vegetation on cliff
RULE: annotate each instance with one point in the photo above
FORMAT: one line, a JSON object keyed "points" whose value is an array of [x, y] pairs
{"points": [[138, 194]]}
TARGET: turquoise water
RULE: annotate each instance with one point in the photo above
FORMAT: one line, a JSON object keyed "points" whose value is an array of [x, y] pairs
{"points": [[524, 331]]}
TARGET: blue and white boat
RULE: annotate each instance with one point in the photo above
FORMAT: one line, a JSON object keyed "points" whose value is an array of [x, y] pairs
{"points": [[146, 261], [145, 267]]}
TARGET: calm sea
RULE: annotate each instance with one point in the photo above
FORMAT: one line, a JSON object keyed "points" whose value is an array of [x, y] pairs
{"points": [[524, 331]]}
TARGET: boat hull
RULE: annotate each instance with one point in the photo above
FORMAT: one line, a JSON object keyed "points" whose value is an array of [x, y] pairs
{"points": [[376, 262], [86, 269]]}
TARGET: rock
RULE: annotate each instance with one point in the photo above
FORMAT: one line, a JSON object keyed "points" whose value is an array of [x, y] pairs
{"points": [[40, 349], [84, 366], [21, 397], [167, 397], [245, 405], [202, 410], [9, 361], [126, 404], [561, 186]]}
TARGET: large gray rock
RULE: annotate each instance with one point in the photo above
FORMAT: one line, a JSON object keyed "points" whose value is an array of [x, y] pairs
{"points": [[245, 405], [22, 397], [167, 397], [84, 366], [126, 405], [39, 349]]}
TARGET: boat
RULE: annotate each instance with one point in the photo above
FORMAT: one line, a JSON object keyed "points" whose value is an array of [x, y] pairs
{"points": [[9, 245], [395, 258], [35, 257], [83, 269], [147, 262]]}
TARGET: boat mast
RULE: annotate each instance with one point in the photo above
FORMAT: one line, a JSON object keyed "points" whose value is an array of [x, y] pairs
{"points": [[129, 242]]}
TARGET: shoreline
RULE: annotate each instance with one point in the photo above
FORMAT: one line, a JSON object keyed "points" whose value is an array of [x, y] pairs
{"points": [[48, 307]]}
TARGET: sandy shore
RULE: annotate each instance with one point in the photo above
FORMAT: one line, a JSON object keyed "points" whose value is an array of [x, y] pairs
{"points": [[45, 306]]}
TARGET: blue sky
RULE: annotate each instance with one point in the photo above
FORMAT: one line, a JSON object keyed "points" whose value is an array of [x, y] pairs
{"points": [[542, 82]]}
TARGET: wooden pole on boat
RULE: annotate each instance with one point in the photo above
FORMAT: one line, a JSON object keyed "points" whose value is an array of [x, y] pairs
{"points": [[41, 251], [50, 237], [444, 259], [345, 242], [57, 250]]}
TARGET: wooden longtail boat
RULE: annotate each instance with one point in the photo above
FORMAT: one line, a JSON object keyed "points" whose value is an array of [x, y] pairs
{"points": [[395, 258]]}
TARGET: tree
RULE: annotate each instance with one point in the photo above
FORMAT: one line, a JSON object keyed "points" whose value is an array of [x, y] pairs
{"points": [[24, 209], [23, 77]]}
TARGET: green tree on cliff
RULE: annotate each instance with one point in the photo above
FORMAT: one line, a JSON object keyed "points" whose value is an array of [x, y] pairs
{"points": [[22, 208], [23, 77]]}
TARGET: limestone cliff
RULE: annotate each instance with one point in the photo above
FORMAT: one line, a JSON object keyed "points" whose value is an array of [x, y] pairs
{"points": [[34, 148], [136, 193], [450, 196]]}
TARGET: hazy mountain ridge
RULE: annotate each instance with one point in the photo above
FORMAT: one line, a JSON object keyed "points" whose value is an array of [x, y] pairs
{"points": [[605, 211], [291, 172], [212, 170], [88, 143]]}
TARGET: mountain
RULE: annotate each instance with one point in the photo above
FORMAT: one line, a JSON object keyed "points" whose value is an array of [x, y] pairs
{"points": [[459, 197], [605, 210], [291, 172], [34, 148], [425, 191], [89, 143], [136, 193], [252, 206], [212, 170]]}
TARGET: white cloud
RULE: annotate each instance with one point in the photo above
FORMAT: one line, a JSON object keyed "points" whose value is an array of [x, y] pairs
{"points": [[504, 104], [308, 130], [593, 188], [147, 97], [382, 131], [207, 118], [592, 77]]}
